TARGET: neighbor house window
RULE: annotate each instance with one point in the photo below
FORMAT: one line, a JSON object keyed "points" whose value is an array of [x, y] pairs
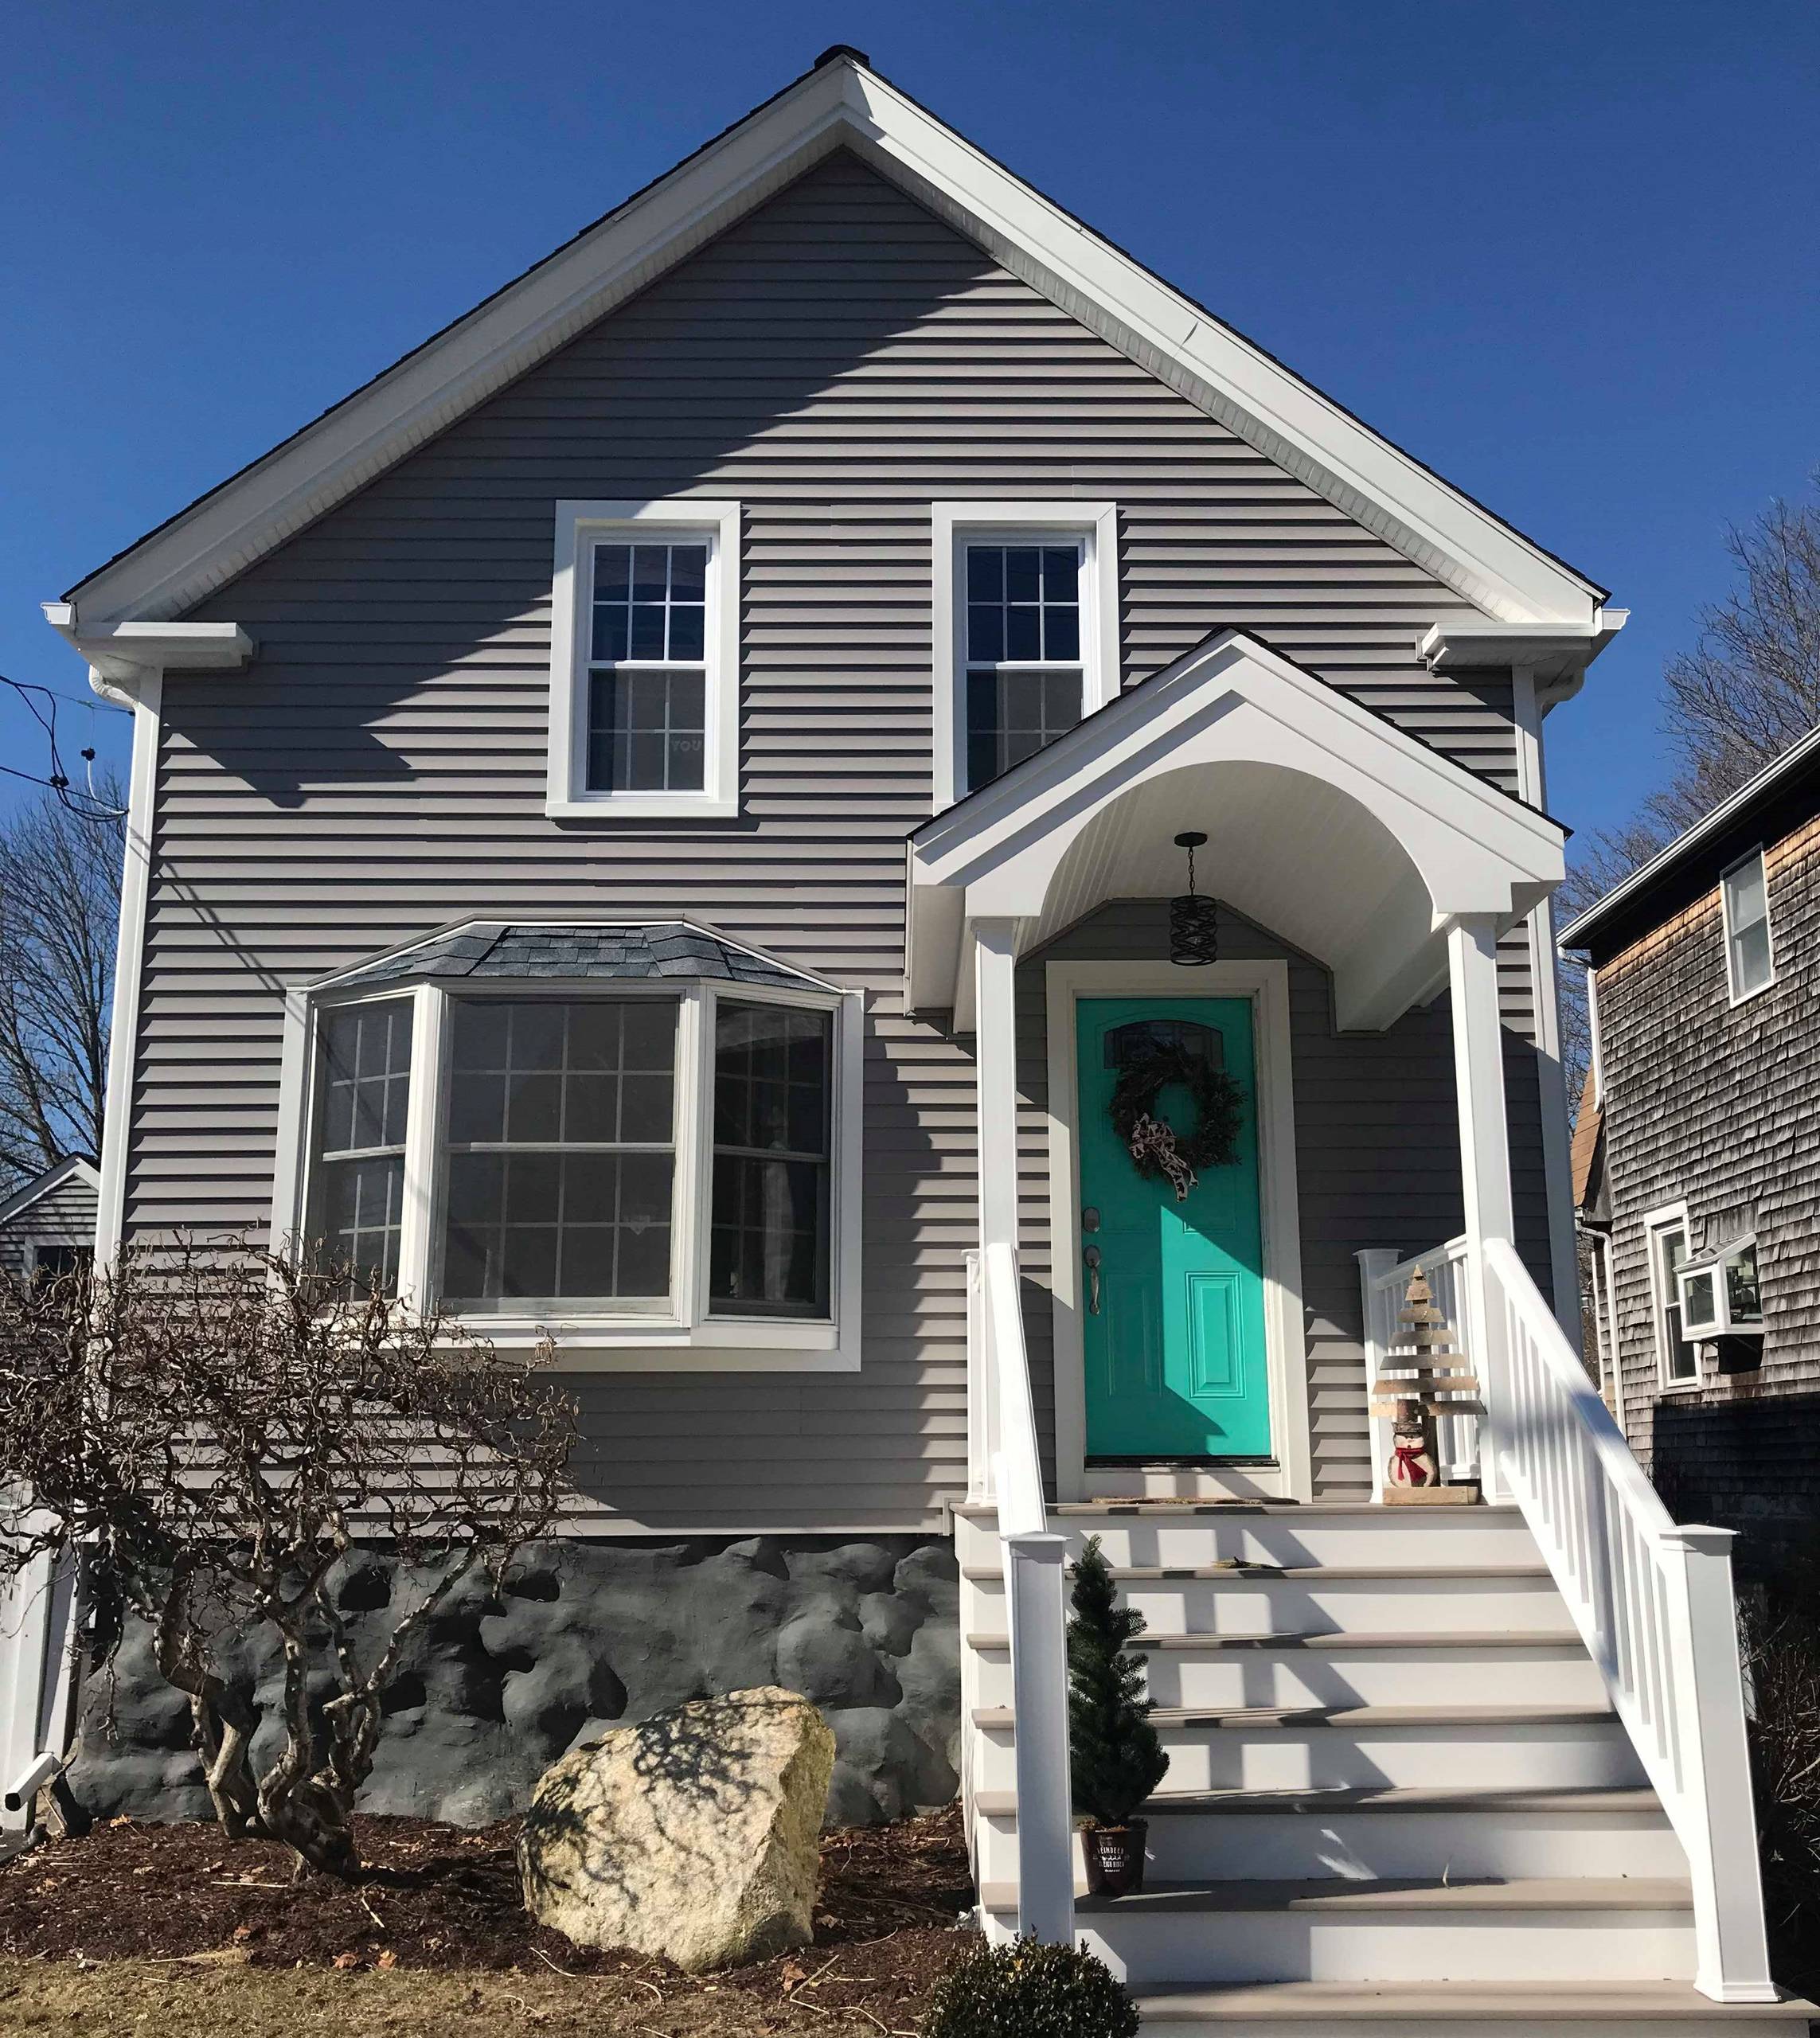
{"points": [[769, 1255], [667, 1160], [1677, 1356], [1749, 963], [644, 675], [364, 1094], [1026, 631], [561, 1152]]}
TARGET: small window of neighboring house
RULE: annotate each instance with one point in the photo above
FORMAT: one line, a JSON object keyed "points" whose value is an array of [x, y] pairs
{"points": [[1026, 632], [644, 668], [53, 1262], [1750, 966], [1677, 1356]]}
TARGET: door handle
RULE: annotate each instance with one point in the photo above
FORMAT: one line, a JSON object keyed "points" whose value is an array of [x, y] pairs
{"points": [[1092, 1256]]}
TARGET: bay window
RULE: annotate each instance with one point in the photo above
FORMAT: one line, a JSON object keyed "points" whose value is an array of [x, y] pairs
{"points": [[654, 1172]]}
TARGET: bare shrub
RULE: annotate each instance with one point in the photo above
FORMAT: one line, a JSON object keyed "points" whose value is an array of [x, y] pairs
{"points": [[1781, 1639], [209, 1434]]}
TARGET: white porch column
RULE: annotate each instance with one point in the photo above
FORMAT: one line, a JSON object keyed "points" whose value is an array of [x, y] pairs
{"points": [[1485, 1154], [995, 1061]]}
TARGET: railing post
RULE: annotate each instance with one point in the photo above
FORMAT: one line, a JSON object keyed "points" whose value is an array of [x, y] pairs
{"points": [[982, 1390], [1730, 1956], [1033, 1581], [1376, 1264], [1485, 1161]]}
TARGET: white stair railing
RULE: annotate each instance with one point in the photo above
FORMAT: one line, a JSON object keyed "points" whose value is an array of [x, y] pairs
{"points": [[1654, 1603], [1005, 1468]]}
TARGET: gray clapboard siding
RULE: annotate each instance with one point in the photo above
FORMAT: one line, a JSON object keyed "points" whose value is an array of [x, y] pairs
{"points": [[836, 362]]}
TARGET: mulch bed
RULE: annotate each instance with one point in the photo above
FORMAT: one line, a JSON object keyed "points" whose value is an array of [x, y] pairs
{"points": [[441, 1899]]}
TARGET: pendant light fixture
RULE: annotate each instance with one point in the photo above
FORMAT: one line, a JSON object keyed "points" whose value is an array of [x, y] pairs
{"points": [[1194, 922]]}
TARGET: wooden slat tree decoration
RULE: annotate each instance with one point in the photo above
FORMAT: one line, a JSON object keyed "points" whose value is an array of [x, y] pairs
{"points": [[1421, 1378]]}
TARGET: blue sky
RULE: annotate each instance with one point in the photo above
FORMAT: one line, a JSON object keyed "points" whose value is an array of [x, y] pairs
{"points": [[1565, 254]]}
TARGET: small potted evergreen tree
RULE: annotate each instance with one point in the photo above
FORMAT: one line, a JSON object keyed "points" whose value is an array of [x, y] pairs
{"points": [[1114, 1756]]}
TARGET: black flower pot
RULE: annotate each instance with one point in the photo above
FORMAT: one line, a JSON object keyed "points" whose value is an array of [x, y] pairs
{"points": [[1115, 1858]]}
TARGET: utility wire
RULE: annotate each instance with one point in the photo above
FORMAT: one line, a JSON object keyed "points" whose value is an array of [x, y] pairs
{"points": [[85, 804]]}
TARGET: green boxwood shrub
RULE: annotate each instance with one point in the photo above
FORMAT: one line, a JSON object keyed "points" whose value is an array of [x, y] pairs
{"points": [[1028, 1990]]}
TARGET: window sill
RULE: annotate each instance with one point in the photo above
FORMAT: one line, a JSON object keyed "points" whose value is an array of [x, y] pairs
{"points": [[643, 807], [1745, 996], [1680, 1386], [585, 1344]]}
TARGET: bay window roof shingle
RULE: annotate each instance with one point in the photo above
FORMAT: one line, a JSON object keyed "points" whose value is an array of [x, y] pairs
{"points": [[572, 951]]}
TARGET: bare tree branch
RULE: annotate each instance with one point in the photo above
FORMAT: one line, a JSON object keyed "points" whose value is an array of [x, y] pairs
{"points": [[59, 878], [212, 1435]]}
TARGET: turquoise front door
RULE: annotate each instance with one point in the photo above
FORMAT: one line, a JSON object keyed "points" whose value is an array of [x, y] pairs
{"points": [[1174, 1326]]}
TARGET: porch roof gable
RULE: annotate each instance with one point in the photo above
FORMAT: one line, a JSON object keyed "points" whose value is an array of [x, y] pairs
{"points": [[1328, 825]]}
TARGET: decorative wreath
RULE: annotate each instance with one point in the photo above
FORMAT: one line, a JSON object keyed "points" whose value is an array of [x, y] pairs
{"points": [[1158, 1150]]}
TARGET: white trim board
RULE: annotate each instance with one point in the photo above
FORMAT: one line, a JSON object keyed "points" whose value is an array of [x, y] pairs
{"points": [[1266, 984], [129, 967], [839, 104]]}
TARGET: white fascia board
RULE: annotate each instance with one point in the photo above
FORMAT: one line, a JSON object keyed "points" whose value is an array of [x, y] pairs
{"points": [[1256, 397], [77, 1165], [1386, 490]]}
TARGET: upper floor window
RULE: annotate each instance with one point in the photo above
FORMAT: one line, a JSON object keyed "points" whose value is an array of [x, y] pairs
{"points": [[1026, 631], [1750, 967], [644, 669]]}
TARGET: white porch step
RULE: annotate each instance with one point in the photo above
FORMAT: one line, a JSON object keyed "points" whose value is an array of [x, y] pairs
{"points": [[1376, 1599], [1139, 1533], [1460, 2009], [1337, 1667], [1363, 1835], [1357, 1747], [1562, 1929]]}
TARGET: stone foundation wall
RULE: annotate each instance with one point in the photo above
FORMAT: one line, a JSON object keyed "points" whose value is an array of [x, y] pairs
{"points": [[589, 1634]]}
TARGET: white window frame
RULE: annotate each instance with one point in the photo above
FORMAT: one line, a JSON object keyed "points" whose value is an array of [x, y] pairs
{"points": [[1715, 1261], [1657, 1225], [1742, 863], [580, 526], [688, 1337], [953, 525]]}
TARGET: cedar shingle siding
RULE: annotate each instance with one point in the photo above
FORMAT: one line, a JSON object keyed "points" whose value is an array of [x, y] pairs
{"points": [[835, 362], [1718, 1105]]}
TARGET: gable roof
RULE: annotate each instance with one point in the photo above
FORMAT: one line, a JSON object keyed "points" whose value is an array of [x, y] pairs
{"points": [[1690, 863], [841, 103], [53, 1178]]}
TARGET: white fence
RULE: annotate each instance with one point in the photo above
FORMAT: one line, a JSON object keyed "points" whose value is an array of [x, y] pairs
{"points": [[36, 1670]]}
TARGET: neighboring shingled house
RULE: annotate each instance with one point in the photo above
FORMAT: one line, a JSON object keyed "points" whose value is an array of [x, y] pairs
{"points": [[1694, 1159], [48, 1226]]}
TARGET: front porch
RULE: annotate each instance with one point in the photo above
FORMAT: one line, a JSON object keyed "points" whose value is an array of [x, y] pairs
{"points": [[1360, 875]]}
